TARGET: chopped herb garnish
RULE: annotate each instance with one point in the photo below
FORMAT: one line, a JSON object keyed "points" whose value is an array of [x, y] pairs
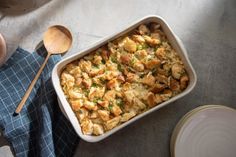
{"points": [[139, 47], [86, 91], [80, 112], [133, 60], [113, 59], [144, 46], [110, 106], [95, 66], [103, 81], [155, 48], [102, 108], [120, 103], [120, 67], [97, 52], [96, 100], [94, 85]]}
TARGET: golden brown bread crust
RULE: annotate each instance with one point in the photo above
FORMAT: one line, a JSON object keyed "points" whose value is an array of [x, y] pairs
{"points": [[123, 79]]}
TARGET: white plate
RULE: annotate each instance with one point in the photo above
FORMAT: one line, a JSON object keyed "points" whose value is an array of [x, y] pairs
{"points": [[182, 122], [206, 132]]}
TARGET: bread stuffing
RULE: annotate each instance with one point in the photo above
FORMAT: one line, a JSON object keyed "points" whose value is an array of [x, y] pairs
{"points": [[123, 79]]}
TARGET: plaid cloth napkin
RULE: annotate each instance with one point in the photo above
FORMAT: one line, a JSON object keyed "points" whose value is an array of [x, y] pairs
{"points": [[40, 129]]}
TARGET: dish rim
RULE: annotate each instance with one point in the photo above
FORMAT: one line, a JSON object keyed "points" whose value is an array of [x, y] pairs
{"points": [[175, 43]]}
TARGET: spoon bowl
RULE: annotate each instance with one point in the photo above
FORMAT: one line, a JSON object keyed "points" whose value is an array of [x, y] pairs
{"points": [[57, 40]]}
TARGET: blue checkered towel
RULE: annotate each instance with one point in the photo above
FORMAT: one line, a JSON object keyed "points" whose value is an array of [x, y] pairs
{"points": [[40, 129]]}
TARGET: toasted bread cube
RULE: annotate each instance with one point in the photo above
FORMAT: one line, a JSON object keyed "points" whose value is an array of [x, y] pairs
{"points": [[112, 123], [97, 129], [87, 127], [130, 45], [76, 104], [127, 116], [116, 110], [90, 105], [104, 115]]}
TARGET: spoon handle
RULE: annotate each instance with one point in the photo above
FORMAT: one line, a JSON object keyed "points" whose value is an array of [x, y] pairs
{"points": [[27, 93]]}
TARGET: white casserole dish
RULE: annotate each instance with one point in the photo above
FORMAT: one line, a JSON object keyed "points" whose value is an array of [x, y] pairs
{"points": [[175, 43]]}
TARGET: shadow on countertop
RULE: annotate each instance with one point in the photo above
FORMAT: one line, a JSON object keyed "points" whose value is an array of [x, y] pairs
{"points": [[16, 7]]}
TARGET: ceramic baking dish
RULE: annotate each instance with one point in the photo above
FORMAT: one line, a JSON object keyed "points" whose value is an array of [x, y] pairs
{"points": [[174, 41]]}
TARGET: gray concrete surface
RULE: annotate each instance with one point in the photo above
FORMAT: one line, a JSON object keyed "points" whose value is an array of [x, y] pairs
{"points": [[207, 29]]}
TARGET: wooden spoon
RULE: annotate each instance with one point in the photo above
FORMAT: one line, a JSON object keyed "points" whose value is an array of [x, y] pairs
{"points": [[3, 50], [57, 40]]}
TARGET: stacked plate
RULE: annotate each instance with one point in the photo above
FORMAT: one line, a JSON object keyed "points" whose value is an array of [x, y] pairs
{"points": [[206, 131]]}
